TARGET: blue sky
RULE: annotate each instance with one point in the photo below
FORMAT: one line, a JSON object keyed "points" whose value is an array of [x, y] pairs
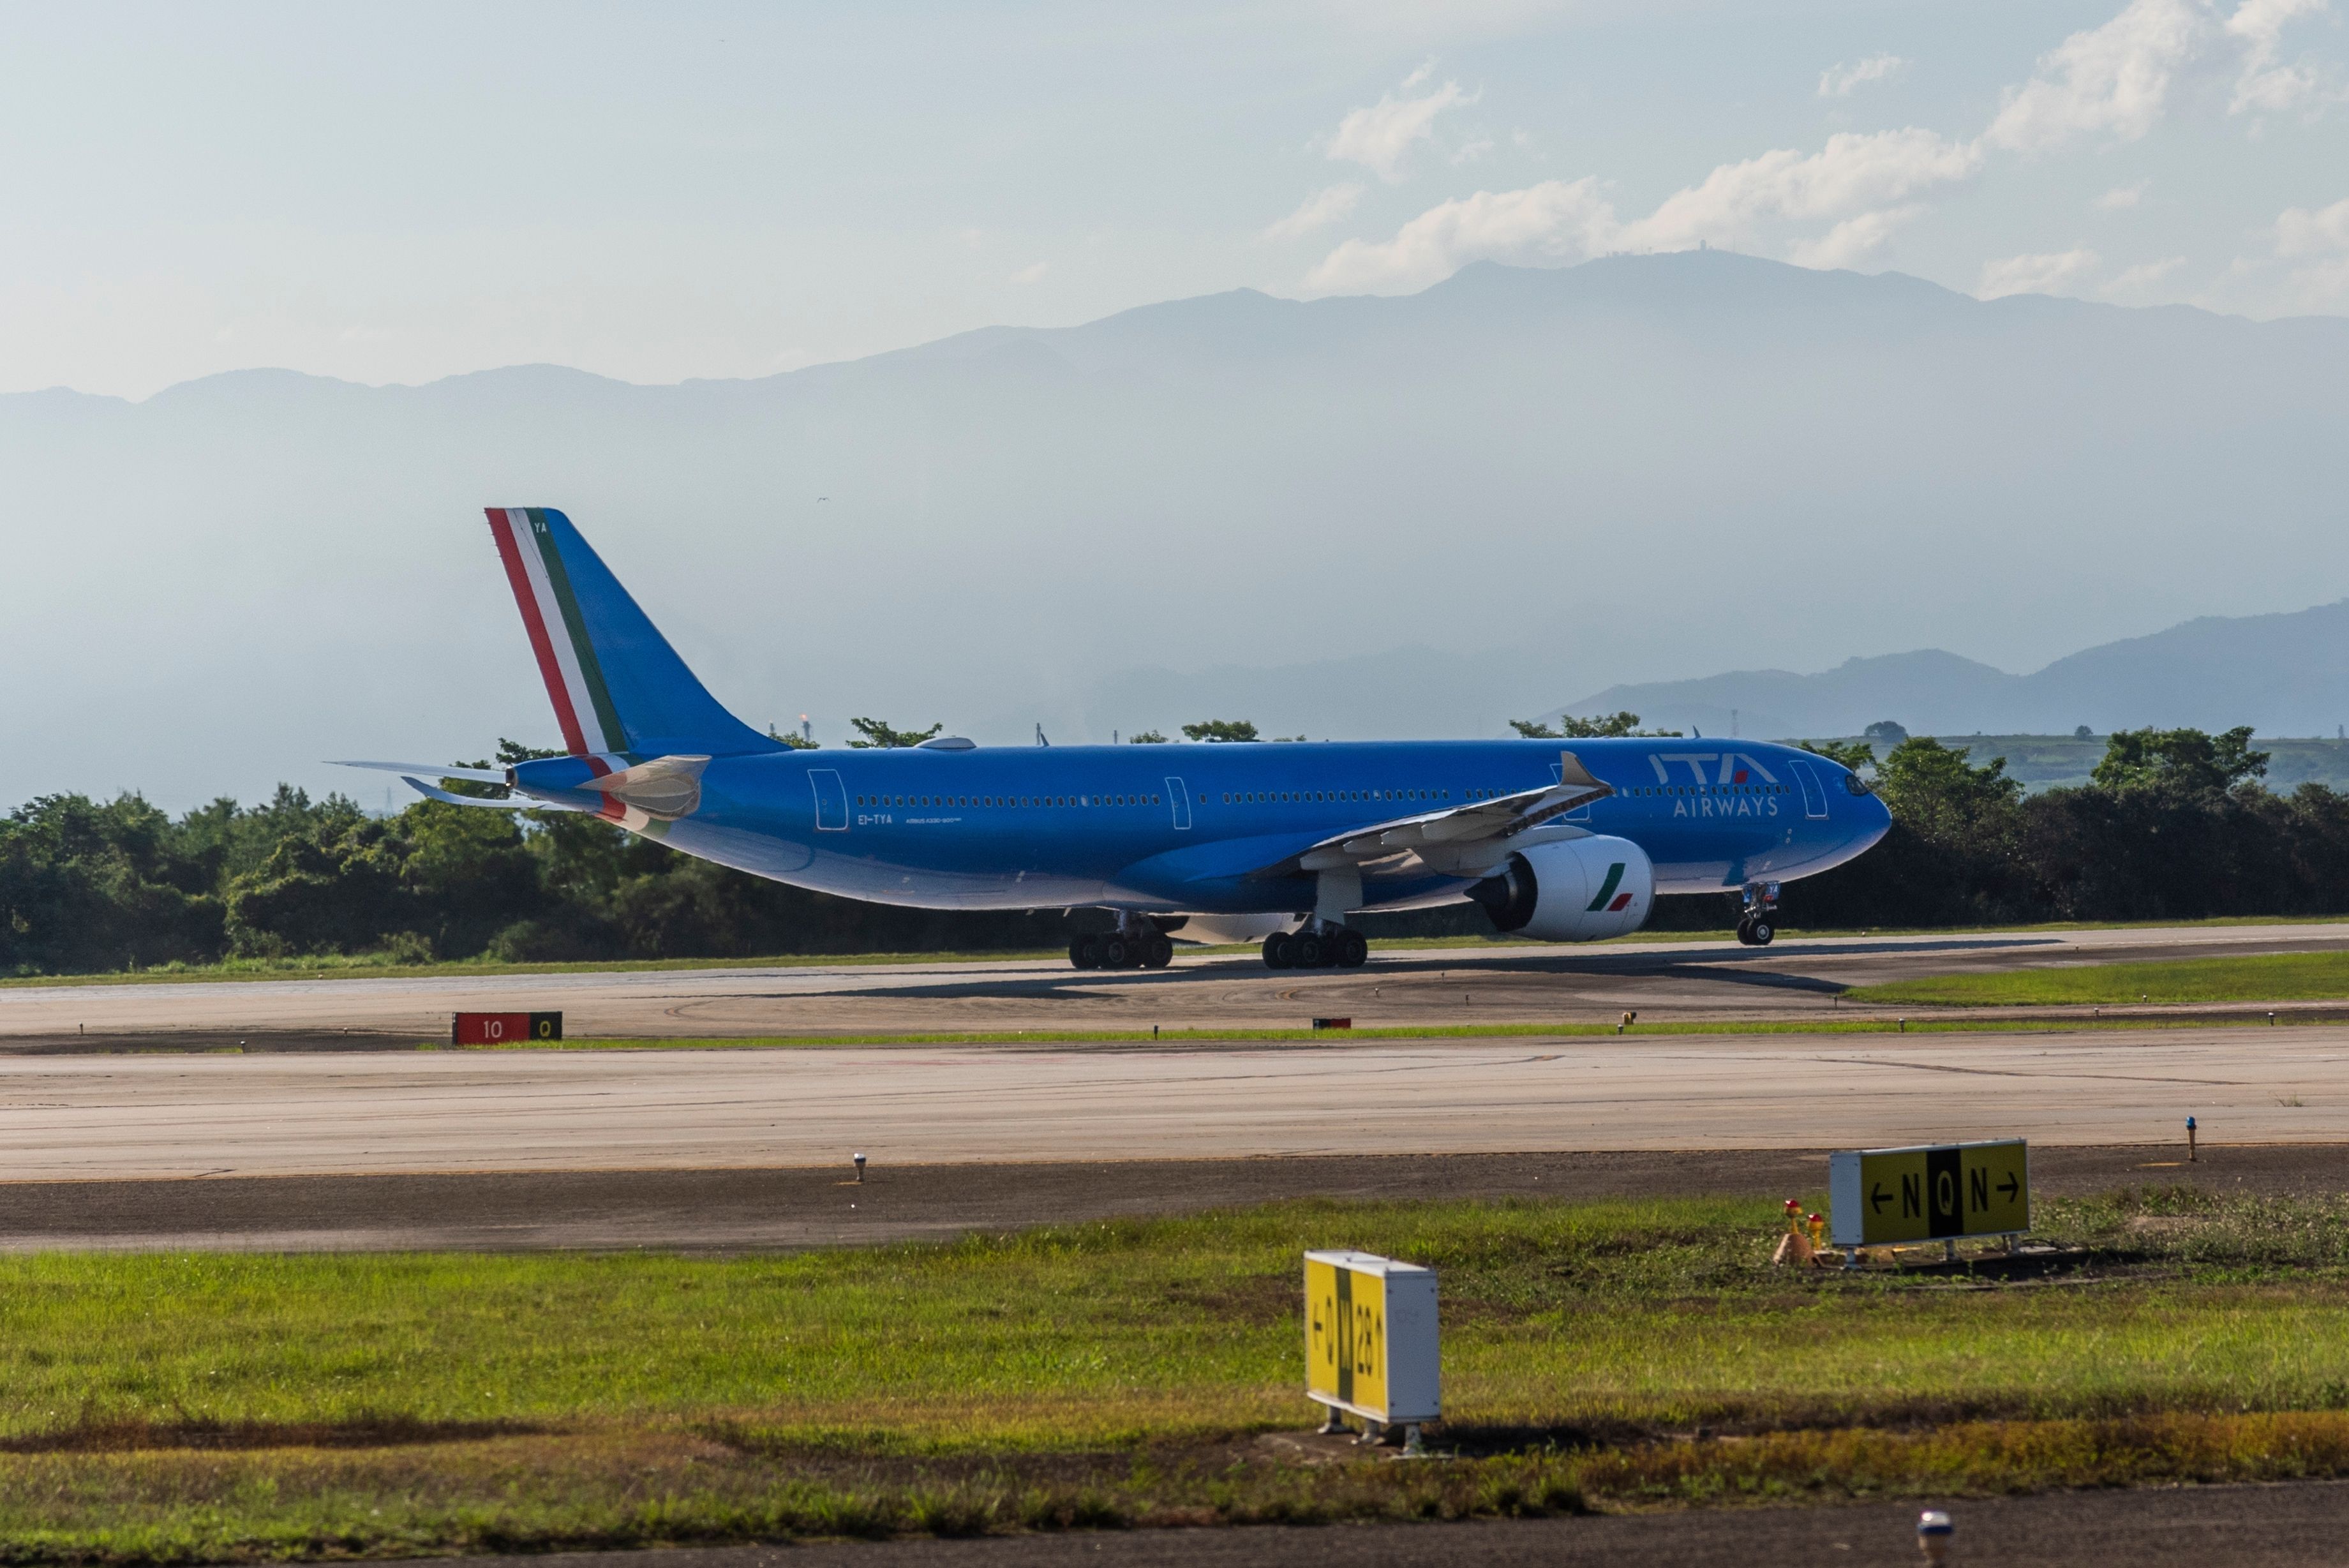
{"points": [[396, 194]]}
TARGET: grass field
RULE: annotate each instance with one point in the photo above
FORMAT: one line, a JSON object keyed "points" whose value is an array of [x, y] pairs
{"points": [[210, 1406], [2260, 977]]}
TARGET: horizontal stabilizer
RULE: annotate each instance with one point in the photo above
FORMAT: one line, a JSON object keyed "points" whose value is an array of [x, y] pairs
{"points": [[431, 770], [511, 802]]}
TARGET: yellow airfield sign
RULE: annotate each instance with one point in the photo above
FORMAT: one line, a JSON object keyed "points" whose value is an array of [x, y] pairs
{"points": [[1370, 1337], [1934, 1192]]}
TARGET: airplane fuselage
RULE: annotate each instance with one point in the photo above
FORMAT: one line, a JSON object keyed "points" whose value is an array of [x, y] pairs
{"points": [[1165, 828]]}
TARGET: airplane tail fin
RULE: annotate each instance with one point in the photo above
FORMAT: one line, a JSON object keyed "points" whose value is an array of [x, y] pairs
{"points": [[617, 684]]}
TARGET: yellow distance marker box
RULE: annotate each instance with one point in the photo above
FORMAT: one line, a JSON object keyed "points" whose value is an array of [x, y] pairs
{"points": [[1371, 1337], [1934, 1192]]}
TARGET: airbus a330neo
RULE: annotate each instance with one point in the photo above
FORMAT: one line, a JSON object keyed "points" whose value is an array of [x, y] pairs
{"points": [[1288, 842]]}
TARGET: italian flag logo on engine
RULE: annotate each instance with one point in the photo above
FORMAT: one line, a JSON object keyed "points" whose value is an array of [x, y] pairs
{"points": [[1621, 901]]}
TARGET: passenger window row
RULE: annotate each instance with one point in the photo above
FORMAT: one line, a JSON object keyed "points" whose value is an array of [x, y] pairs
{"points": [[1705, 789], [1302, 796], [978, 801]]}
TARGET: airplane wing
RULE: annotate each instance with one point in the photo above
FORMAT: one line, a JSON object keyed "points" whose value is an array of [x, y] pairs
{"points": [[1461, 840]]}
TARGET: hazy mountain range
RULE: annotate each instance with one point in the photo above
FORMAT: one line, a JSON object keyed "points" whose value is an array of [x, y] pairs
{"points": [[2286, 674], [1346, 517]]}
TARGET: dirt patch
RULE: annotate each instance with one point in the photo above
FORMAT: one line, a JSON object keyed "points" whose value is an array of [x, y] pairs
{"points": [[129, 1435]]}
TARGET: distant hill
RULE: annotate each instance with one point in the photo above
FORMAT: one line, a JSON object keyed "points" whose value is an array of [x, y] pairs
{"points": [[1351, 518], [2284, 674]]}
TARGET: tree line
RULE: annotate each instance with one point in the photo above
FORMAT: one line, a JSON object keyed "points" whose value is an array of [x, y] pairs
{"points": [[2173, 825]]}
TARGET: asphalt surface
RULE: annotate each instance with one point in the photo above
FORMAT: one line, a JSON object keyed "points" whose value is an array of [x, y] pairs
{"points": [[2300, 1525], [1794, 980], [759, 1209], [174, 1115]]}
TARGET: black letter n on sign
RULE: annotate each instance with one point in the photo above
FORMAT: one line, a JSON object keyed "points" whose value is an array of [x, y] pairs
{"points": [[1945, 1196]]}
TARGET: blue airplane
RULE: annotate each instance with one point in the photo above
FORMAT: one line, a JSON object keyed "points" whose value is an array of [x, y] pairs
{"points": [[1283, 841]]}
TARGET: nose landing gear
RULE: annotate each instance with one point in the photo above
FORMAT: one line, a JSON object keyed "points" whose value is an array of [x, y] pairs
{"points": [[1757, 926], [1317, 946]]}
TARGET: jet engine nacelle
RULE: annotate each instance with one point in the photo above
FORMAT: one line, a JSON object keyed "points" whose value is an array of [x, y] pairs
{"points": [[1571, 889]]}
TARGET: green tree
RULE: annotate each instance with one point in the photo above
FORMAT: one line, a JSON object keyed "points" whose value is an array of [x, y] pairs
{"points": [[1853, 754], [1941, 795], [1146, 738], [2189, 760], [877, 734], [88, 885], [334, 887], [796, 740], [1221, 730], [1885, 732], [1571, 728]]}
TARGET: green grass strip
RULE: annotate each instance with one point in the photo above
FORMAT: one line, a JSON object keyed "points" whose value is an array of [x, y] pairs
{"points": [[2255, 977]]}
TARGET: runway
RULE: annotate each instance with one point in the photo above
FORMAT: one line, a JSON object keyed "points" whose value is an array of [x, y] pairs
{"points": [[123, 1122], [1662, 979], [64, 1117]]}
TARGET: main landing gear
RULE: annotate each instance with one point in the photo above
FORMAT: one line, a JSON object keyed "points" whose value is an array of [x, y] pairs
{"points": [[1757, 926], [1316, 947], [1123, 950]]}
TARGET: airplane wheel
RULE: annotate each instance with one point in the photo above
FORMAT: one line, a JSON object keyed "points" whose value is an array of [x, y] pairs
{"points": [[1085, 953], [1353, 950], [1116, 953], [1279, 950], [1745, 933], [1764, 932], [1309, 952], [1157, 952]]}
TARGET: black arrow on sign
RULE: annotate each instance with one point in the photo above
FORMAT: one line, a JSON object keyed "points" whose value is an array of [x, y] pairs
{"points": [[1879, 1198], [2010, 1187]]}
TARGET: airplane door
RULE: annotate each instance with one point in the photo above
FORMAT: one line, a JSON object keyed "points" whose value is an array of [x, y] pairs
{"points": [[1179, 793], [1815, 799], [831, 800]]}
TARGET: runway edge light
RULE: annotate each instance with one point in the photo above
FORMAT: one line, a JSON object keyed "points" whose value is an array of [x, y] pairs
{"points": [[1928, 1192], [1370, 1343]]}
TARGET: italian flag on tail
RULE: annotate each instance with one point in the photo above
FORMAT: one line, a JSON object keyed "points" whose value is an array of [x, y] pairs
{"points": [[558, 635]]}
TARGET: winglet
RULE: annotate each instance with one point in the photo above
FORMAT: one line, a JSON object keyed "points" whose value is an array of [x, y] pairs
{"points": [[1571, 771]]}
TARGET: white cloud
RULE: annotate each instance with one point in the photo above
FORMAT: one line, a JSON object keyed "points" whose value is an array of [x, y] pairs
{"points": [[1853, 240], [2054, 273], [2263, 85], [2114, 79], [1032, 273], [1860, 186], [2143, 276], [1552, 221], [1379, 138], [2300, 232], [1472, 151], [1839, 79], [2120, 198], [1854, 174], [1318, 211], [2320, 240]]}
